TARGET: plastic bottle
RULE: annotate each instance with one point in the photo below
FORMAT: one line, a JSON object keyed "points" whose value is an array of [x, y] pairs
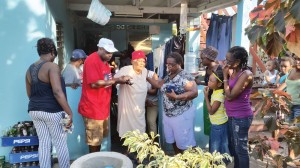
{"points": [[34, 164], [28, 164], [64, 121], [190, 61]]}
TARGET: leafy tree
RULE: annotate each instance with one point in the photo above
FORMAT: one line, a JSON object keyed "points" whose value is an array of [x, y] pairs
{"points": [[274, 25]]}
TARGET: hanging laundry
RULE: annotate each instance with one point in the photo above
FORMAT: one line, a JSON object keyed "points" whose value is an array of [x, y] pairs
{"points": [[219, 34], [150, 62]]}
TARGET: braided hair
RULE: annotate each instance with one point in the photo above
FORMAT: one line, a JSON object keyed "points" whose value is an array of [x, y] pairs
{"points": [[45, 46], [240, 53]]}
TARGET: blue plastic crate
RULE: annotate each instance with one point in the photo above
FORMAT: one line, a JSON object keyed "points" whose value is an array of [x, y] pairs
{"points": [[23, 157], [20, 141]]}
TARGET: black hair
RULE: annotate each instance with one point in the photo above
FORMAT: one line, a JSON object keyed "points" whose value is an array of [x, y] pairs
{"points": [[288, 59], [178, 58], [240, 53], [275, 63], [74, 59], [45, 46], [219, 74]]}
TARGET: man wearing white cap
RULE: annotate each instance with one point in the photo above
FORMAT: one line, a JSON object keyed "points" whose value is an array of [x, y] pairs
{"points": [[72, 73], [94, 103]]}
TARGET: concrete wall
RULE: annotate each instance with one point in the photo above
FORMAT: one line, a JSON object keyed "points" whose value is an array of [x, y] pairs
{"points": [[164, 35], [22, 24], [120, 37], [61, 15]]}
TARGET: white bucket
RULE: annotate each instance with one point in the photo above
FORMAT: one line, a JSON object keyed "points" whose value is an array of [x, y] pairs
{"points": [[102, 160]]}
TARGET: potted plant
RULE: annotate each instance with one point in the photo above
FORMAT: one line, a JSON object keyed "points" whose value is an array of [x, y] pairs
{"points": [[146, 147]]}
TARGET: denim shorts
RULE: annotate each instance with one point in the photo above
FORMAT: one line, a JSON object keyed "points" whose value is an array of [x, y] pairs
{"points": [[295, 112], [180, 129]]}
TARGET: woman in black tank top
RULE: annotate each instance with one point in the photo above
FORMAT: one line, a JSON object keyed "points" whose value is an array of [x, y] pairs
{"points": [[48, 103]]}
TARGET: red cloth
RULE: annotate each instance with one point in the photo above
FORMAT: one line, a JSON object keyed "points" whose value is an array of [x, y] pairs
{"points": [[95, 103], [138, 54]]}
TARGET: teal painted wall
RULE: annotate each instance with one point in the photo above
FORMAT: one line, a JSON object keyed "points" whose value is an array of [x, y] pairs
{"points": [[193, 43], [164, 35], [119, 37], [22, 24], [61, 15]]}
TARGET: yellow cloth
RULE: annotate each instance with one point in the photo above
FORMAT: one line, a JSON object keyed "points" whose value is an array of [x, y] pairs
{"points": [[220, 116]]}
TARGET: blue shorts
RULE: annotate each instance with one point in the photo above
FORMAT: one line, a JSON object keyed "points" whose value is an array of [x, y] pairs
{"points": [[180, 129]]}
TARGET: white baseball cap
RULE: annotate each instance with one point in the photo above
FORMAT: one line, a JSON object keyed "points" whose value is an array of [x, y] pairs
{"points": [[107, 44]]}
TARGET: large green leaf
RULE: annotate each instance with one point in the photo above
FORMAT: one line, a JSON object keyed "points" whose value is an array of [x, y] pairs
{"points": [[295, 10], [258, 2], [257, 12], [293, 40], [255, 32], [272, 6], [279, 20], [270, 26], [274, 44]]}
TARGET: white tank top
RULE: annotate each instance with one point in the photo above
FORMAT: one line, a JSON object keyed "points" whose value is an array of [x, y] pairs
{"points": [[272, 77]]}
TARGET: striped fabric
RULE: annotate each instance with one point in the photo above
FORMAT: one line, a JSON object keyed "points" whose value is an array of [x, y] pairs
{"points": [[49, 129]]}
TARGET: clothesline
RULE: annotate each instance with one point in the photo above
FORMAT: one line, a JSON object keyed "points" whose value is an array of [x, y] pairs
{"points": [[159, 55]]}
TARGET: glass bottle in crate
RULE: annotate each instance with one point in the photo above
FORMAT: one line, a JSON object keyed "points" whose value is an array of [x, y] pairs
{"points": [[35, 163], [24, 131], [13, 132], [25, 149], [30, 131], [15, 165], [22, 165], [34, 131], [14, 150], [31, 149], [21, 149], [28, 164]]}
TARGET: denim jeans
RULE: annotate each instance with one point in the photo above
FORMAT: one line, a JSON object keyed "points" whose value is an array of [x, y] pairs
{"points": [[219, 34], [295, 112], [218, 139], [238, 140]]}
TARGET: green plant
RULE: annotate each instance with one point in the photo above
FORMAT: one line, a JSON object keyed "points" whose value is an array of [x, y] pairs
{"points": [[278, 103], [146, 147], [274, 25]]}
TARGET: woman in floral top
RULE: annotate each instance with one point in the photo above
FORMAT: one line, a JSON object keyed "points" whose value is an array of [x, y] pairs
{"points": [[178, 89]]}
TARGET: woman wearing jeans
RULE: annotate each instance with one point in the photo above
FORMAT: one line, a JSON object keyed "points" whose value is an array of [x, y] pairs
{"points": [[237, 88]]}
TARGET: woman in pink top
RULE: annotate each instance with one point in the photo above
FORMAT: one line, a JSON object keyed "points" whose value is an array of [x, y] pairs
{"points": [[237, 88]]}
